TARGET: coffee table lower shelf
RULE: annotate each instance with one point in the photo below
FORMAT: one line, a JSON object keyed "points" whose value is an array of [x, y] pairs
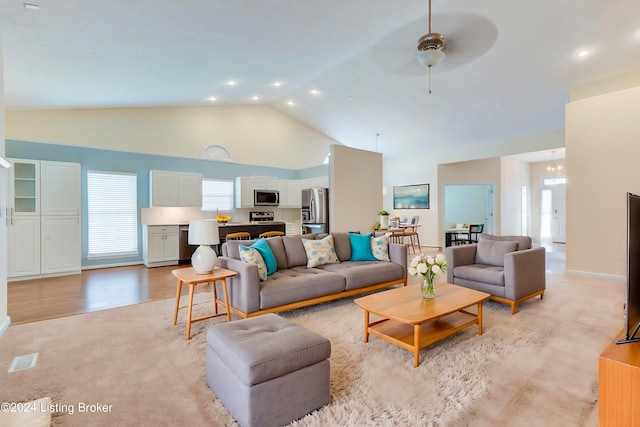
{"points": [[416, 337]]}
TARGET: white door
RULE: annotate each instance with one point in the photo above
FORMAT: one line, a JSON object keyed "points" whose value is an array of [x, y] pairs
{"points": [[60, 243], [24, 246], [190, 189], [60, 188], [164, 188], [558, 200]]}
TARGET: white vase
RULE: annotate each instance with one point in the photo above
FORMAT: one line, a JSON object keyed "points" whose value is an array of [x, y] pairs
{"points": [[384, 221]]}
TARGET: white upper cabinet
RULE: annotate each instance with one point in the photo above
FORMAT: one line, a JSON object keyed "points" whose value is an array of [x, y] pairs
{"points": [[60, 188], [170, 188], [244, 192], [24, 189], [265, 183]]}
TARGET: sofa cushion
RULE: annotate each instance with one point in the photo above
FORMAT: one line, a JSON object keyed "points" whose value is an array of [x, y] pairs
{"points": [[492, 252], [492, 274], [524, 242], [231, 247], [361, 247], [297, 284], [262, 246], [359, 274], [342, 245], [252, 256], [380, 248], [320, 252]]}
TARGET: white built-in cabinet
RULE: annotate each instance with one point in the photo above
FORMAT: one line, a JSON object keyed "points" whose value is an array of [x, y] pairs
{"points": [[44, 219], [160, 245], [290, 190], [169, 188]]}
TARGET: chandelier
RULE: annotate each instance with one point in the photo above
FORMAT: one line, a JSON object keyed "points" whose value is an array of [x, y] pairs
{"points": [[553, 168]]}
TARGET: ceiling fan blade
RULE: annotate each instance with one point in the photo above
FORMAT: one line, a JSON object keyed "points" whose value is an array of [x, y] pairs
{"points": [[467, 37]]}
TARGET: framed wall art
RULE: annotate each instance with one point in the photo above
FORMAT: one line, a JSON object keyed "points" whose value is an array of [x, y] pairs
{"points": [[411, 196]]}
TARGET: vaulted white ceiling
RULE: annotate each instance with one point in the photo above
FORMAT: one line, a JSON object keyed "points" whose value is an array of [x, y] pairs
{"points": [[507, 71]]}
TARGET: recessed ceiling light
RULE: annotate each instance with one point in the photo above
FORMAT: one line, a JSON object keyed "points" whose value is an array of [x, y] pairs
{"points": [[31, 6], [255, 98], [277, 84], [231, 83], [291, 103], [583, 52], [314, 92], [212, 98]]}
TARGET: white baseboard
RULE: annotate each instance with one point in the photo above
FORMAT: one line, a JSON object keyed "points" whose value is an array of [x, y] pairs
{"points": [[4, 325], [598, 275]]}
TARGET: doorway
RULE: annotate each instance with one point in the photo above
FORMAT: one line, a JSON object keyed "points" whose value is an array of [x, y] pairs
{"points": [[469, 204], [553, 211]]}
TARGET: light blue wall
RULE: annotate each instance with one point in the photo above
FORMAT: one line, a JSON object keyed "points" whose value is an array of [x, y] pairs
{"points": [[140, 164]]}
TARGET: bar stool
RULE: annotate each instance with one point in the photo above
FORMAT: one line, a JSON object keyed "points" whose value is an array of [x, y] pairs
{"points": [[240, 235], [268, 234]]}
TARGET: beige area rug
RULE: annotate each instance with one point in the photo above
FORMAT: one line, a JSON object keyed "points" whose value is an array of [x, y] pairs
{"points": [[538, 367]]}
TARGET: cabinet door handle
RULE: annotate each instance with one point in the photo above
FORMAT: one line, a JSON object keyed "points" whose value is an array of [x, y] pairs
{"points": [[11, 216]]}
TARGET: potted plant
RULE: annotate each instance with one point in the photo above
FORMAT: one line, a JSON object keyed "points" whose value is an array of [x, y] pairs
{"points": [[384, 219]]}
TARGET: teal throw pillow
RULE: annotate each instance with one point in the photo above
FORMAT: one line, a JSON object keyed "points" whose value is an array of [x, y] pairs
{"points": [[262, 246], [361, 247]]}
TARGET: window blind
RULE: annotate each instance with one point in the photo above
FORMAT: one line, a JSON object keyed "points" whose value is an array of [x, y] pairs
{"points": [[112, 214], [217, 195]]}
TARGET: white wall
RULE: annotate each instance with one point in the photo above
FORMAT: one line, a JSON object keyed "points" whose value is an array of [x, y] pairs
{"points": [[355, 197], [515, 175], [603, 164], [255, 134], [4, 199]]}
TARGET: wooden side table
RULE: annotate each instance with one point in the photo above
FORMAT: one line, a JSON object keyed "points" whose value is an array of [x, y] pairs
{"points": [[190, 277]]}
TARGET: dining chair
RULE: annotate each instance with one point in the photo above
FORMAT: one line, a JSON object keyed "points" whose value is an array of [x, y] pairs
{"points": [[268, 234], [396, 236], [411, 234], [240, 235], [472, 235]]}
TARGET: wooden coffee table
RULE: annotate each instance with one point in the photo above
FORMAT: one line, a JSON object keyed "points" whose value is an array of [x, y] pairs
{"points": [[413, 322]]}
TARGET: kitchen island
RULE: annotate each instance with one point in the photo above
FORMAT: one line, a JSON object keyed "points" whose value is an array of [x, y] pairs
{"points": [[255, 228]]}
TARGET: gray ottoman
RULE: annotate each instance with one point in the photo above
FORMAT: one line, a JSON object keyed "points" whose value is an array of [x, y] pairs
{"points": [[268, 371]]}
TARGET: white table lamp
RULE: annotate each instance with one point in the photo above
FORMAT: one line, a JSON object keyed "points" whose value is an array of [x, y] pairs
{"points": [[204, 233]]}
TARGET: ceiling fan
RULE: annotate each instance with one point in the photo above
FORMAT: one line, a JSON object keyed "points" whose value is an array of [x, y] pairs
{"points": [[431, 48]]}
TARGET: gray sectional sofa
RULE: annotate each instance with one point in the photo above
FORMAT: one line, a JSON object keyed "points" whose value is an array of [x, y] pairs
{"points": [[507, 267], [295, 285]]}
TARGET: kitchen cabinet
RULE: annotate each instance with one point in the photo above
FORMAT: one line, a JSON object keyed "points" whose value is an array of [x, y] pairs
{"points": [[265, 183], [60, 188], [244, 192], [24, 246], [169, 188], [60, 244], [44, 219], [290, 193], [160, 245]]}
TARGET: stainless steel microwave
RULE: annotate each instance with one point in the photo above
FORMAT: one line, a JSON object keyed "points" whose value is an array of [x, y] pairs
{"points": [[266, 197]]}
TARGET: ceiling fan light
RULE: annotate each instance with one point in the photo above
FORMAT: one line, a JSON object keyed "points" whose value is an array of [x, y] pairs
{"points": [[430, 57]]}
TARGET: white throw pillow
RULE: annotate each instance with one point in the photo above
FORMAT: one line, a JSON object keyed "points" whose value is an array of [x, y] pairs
{"points": [[380, 248], [320, 252], [252, 256]]}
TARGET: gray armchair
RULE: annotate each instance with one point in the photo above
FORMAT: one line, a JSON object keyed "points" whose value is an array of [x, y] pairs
{"points": [[507, 267]]}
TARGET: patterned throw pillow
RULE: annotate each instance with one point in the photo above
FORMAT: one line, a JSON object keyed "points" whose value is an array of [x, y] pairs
{"points": [[320, 252], [252, 256], [380, 248]]}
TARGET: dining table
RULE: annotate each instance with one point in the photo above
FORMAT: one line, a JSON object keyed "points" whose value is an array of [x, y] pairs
{"points": [[451, 234]]}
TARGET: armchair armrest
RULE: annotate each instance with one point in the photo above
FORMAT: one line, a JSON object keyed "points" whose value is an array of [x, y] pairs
{"points": [[457, 256], [524, 272], [244, 289]]}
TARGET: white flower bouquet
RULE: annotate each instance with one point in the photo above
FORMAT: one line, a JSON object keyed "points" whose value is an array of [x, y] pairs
{"points": [[429, 268]]}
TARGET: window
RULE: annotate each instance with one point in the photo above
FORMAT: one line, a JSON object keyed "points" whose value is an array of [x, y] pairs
{"points": [[112, 205], [217, 195], [554, 181]]}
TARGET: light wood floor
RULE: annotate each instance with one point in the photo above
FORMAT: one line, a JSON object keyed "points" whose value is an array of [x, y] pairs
{"points": [[92, 290]]}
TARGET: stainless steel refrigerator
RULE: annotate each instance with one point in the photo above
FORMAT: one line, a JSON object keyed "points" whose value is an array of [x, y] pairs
{"points": [[315, 210]]}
